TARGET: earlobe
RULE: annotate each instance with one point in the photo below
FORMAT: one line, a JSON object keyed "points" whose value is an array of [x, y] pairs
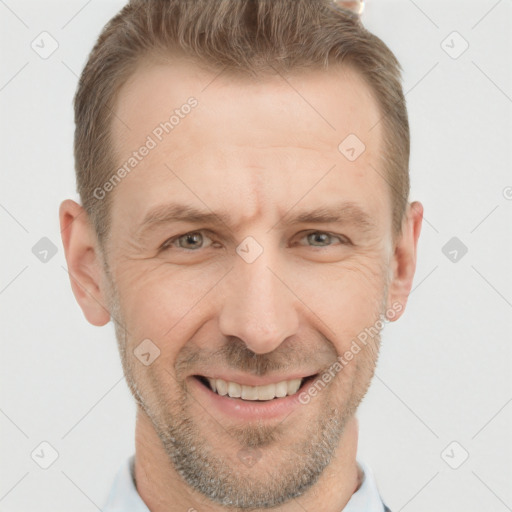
{"points": [[404, 260], [84, 262]]}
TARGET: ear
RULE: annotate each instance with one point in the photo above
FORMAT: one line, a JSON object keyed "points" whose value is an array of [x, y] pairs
{"points": [[84, 262], [404, 260]]}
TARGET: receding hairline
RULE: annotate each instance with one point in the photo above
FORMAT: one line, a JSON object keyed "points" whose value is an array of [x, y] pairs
{"points": [[340, 70], [265, 72], [345, 70], [247, 35]]}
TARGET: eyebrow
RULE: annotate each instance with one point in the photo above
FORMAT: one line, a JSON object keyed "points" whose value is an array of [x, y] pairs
{"points": [[348, 213]]}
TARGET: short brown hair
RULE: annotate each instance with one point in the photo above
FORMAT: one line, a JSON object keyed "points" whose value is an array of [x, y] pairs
{"points": [[254, 36]]}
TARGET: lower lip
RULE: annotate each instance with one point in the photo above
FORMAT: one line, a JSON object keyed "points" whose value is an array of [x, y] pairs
{"points": [[250, 409]]}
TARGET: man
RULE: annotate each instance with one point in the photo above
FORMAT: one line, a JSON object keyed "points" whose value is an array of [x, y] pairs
{"points": [[243, 172]]}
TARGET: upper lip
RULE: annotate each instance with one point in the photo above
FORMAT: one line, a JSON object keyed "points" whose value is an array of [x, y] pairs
{"points": [[251, 380]]}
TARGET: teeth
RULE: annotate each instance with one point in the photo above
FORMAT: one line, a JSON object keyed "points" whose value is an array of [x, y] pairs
{"points": [[267, 392], [293, 386], [249, 392], [222, 387], [234, 390], [281, 389]]}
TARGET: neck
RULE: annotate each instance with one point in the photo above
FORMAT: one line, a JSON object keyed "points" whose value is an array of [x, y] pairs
{"points": [[163, 489]]}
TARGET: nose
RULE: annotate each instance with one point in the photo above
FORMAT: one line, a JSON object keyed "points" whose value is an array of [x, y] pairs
{"points": [[258, 307]]}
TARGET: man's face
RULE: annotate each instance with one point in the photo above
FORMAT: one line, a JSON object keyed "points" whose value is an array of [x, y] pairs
{"points": [[262, 296]]}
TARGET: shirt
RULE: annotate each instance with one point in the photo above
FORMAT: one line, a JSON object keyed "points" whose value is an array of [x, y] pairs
{"points": [[124, 497]]}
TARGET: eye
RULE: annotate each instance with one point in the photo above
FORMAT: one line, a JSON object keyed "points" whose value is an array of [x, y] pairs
{"points": [[323, 239], [192, 241], [195, 240]]}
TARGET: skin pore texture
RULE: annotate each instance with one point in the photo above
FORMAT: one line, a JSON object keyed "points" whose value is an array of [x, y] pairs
{"points": [[257, 153]]}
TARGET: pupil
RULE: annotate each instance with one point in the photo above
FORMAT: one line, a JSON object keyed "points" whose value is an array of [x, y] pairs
{"points": [[191, 238], [320, 237]]}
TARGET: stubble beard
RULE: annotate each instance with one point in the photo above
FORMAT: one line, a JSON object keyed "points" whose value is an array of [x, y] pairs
{"points": [[276, 478]]}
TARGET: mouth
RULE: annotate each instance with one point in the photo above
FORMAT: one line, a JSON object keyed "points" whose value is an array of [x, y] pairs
{"points": [[264, 393]]}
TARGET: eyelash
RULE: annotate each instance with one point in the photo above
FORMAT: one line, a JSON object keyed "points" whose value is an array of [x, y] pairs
{"points": [[168, 243]]}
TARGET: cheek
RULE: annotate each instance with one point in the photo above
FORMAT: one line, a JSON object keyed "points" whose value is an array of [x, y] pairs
{"points": [[348, 300], [163, 302], [363, 289], [156, 299]]}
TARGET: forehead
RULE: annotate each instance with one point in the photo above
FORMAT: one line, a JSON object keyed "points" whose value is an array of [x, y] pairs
{"points": [[260, 142], [326, 102]]}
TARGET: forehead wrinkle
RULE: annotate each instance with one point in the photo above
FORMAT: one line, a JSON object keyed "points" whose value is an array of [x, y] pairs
{"points": [[178, 212], [344, 213]]}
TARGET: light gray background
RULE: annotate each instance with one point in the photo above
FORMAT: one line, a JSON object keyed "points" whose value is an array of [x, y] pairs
{"points": [[444, 369]]}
